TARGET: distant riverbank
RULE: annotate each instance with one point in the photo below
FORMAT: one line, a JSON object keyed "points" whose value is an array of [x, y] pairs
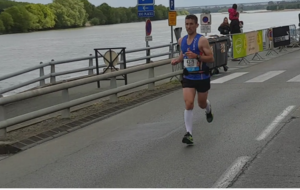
{"points": [[265, 11], [284, 10]]}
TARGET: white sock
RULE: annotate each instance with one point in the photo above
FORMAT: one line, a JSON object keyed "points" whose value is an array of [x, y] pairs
{"points": [[188, 119], [207, 106]]}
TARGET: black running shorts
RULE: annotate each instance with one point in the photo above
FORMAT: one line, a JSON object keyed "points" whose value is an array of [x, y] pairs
{"points": [[199, 85]]}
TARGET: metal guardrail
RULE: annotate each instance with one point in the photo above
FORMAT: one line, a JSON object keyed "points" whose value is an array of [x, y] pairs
{"points": [[65, 107], [91, 67]]}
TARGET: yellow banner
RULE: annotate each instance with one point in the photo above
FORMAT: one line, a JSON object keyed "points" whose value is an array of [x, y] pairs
{"points": [[252, 45], [247, 44], [239, 45], [260, 40]]}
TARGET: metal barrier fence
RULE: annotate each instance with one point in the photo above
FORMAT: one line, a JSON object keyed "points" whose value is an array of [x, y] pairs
{"points": [[294, 33], [41, 79]]}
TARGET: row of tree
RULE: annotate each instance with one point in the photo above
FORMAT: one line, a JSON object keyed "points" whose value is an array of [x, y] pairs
{"points": [[24, 17], [281, 5], [104, 14], [218, 9]]}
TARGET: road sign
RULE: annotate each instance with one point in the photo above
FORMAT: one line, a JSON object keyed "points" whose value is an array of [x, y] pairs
{"points": [[172, 5], [146, 8], [148, 38], [146, 14], [172, 18], [144, 2], [148, 27], [148, 31], [205, 28], [205, 19], [110, 57]]}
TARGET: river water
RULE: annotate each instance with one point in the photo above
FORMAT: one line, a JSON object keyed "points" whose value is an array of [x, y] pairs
{"points": [[20, 51]]}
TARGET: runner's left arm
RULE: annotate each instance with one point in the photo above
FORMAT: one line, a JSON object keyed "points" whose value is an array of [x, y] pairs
{"points": [[204, 47]]}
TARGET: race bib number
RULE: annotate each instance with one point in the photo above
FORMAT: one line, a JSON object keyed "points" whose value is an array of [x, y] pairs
{"points": [[191, 64]]}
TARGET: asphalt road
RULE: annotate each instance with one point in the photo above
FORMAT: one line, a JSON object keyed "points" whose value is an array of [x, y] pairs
{"points": [[141, 148]]}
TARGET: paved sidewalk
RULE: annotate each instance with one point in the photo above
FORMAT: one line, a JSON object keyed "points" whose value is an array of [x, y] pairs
{"points": [[278, 165]]}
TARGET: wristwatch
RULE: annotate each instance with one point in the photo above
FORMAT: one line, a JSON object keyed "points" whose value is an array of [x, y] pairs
{"points": [[199, 58]]}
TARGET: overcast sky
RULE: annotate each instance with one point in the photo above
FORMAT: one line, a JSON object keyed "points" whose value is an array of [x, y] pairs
{"points": [[178, 3]]}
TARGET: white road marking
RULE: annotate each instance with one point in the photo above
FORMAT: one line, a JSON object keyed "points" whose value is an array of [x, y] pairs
{"points": [[275, 122], [265, 76], [228, 77], [295, 79], [231, 172]]}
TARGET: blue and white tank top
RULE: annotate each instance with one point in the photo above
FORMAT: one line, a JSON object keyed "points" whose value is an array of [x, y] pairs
{"points": [[192, 64]]}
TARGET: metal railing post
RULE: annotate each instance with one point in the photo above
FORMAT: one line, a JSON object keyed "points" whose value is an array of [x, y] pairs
{"points": [[2, 113], [2, 134], [52, 78], [42, 73], [65, 97], [148, 53], [151, 75], [171, 50], [113, 84], [2, 118], [231, 52], [122, 66], [181, 68], [91, 71]]}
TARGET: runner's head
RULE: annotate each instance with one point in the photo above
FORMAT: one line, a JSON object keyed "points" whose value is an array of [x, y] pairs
{"points": [[191, 24]]}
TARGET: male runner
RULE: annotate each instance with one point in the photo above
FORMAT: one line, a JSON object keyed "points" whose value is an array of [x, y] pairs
{"points": [[195, 53]]}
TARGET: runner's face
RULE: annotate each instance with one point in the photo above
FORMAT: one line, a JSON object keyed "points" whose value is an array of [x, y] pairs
{"points": [[190, 26]]}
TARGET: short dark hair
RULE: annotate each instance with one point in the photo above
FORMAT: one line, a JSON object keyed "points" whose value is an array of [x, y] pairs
{"points": [[234, 6], [193, 17]]}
